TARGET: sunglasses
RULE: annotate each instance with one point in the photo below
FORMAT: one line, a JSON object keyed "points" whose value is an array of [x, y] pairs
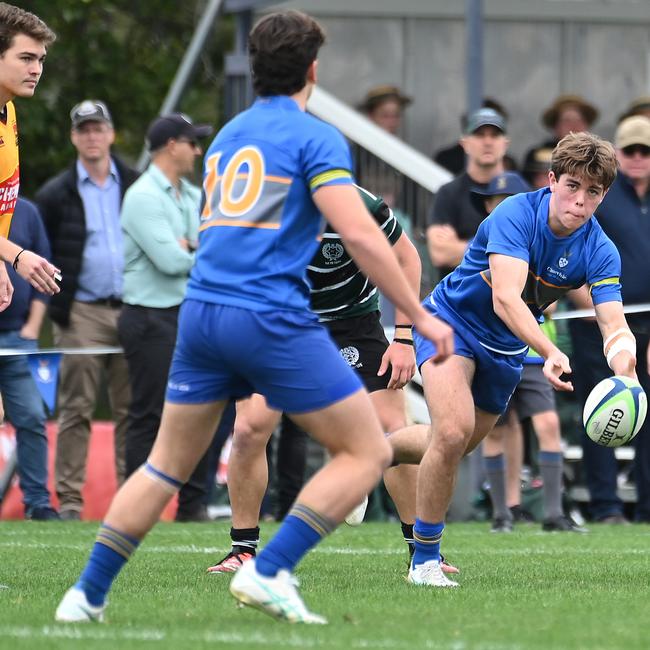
{"points": [[632, 149]]}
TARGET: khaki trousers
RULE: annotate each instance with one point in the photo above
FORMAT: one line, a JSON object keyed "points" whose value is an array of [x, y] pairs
{"points": [[91, 325]]}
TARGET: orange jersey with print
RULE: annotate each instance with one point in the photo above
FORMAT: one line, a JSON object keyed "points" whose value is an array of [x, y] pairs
{"points": [[9, 171]]}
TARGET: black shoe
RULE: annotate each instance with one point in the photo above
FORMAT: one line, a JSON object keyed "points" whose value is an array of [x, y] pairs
{"points": [[198, 515], [521, 516], [43, 513], [563, 524], [501, 525], [617, 519]]}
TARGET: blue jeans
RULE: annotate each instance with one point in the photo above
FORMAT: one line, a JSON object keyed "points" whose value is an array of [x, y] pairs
{"points": [[24, 408]]}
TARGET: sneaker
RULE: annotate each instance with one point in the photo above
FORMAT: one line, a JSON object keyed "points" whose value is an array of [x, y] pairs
{"points": [[42, 513], [521, 516], [501, 525], [563, 524], [231, 562], [616, 519], [75, 608], [430, 573], [356, 516], [277, 596]]}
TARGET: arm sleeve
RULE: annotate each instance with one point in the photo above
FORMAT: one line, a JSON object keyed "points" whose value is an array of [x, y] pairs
{"points": [[326, 158], [444, 208], [143, 218], [604, 271], [510, 229]]}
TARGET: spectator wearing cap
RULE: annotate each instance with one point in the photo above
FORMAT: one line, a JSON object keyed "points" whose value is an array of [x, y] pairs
{"points": [[624, 215], [385, 105], [456, 215], [81, 211], [452, 158], [160, 223], [638, 106], [567, 114]]}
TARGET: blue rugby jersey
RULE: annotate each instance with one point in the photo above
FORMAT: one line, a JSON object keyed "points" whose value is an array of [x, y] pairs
{"points": [[519, 228], [259, 224]]}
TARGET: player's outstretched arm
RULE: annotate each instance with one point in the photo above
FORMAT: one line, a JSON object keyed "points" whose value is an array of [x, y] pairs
{"points": [[509, 275], [619, 344], [400, 355], [343, 208]]}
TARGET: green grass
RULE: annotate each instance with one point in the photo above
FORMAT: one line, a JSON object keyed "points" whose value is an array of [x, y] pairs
{"points": [[519, 591]]}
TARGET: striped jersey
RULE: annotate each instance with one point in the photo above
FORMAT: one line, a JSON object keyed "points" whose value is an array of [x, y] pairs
{"points": [[338, 288], [518, 227], [259, 224], [9, 169]]}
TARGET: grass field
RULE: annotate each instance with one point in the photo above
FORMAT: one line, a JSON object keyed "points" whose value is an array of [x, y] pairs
{"points": [[525, 590]]}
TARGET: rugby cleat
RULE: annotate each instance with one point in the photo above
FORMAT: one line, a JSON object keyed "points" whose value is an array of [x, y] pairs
{"points": [[231, 562], [277, 596], [75, 608], [355, 518], [431, 574]]}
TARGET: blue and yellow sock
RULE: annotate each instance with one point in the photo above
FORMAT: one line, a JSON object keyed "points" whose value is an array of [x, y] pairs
{"points": [[427, 541], [301, 530], [109, 554]]}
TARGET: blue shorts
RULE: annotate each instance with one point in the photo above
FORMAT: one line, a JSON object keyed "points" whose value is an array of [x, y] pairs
{"points": [[496, 375], [228, 352]]}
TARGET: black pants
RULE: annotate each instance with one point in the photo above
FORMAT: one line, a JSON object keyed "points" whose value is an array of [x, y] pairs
{"points": [[148, 336], [601, 468]]}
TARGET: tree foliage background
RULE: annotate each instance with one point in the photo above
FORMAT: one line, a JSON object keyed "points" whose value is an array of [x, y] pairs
{"points": [[125, 53]]}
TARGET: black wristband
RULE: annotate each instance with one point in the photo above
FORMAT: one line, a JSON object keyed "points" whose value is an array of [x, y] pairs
{"points": [[14, 264], [403, 341], [403, 327]]}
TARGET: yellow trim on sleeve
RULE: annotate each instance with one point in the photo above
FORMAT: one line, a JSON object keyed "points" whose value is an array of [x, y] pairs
{"points": [[326, 177], [605, 281]]}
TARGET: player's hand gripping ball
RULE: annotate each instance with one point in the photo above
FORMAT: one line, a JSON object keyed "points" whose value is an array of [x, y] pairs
{"points": [[615, 411]]}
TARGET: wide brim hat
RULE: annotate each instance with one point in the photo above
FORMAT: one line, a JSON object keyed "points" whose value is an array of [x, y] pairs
{"points": [[551, 115], [378, 94]]}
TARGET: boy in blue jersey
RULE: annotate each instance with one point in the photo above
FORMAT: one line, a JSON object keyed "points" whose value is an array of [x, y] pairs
{"points": [[532, 249], [245, 327]]}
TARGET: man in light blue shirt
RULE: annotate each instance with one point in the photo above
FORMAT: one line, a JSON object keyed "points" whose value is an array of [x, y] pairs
{"points": [[160, 221], [81, 211]]}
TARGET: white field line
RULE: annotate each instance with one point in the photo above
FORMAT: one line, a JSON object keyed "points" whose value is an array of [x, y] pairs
{"points": [[247, 639], [329, 550]]}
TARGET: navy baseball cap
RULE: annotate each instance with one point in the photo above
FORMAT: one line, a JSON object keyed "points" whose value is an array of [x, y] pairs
{"points": [[485, 117], [505, 184], [174, 126]]}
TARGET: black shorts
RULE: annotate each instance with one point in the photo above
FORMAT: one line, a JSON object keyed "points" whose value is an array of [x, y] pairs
{"points": [[362, 343], [533, 395]]}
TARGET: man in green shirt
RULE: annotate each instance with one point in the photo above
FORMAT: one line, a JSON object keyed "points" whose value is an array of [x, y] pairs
{"points": [[160, 220]]}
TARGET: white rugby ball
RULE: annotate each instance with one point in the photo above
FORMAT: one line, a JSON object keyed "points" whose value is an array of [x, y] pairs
{"points": [[615, 411]]}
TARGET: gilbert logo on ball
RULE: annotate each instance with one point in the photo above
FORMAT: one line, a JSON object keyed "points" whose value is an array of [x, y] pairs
{"points": [[615, 411]]}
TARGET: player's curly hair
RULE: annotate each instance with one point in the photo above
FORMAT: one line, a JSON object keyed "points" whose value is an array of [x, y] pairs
{"points": [[14, 21], [281, 48], [587, 156]]}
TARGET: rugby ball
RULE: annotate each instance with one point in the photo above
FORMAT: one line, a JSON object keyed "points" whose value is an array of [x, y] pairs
{"points": [[615, 411]]}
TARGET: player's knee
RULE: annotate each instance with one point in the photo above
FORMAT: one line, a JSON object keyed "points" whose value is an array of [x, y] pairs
{"points": [[249, 438], [383, 454], [451, 438]]}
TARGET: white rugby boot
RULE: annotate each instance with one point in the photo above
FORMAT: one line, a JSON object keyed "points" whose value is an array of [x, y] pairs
{"points": [[277, 596], [430, 573], [75, 608]]}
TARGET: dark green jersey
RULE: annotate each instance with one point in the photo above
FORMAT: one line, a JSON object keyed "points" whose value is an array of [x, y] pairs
{"points": [[338, 288]]}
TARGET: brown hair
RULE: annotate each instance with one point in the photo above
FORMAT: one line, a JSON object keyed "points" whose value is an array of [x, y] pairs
{"points": [[281, 48], [14, 21], [587, 156]]}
